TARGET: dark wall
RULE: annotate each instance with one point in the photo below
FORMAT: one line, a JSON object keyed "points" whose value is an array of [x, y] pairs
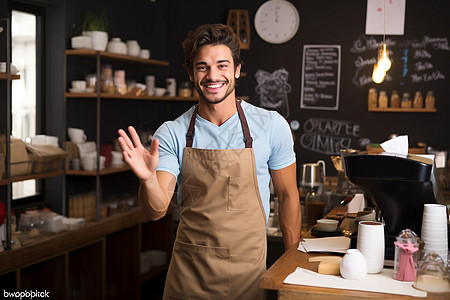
{"points": [[325, 22], [161, 26]]}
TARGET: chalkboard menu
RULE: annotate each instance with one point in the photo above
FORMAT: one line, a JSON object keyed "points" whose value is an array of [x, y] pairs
{"points": [[320, 77], [415, 61]]}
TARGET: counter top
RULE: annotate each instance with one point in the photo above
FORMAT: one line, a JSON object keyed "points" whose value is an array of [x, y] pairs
{"points": [[273, 280]]}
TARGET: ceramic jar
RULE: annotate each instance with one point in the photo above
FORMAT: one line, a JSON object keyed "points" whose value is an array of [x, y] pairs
{"points": [[117, 46], [353, 265], [133, 48]]}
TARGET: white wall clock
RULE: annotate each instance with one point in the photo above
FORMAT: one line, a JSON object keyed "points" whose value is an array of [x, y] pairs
{"points": [[277, 21]]}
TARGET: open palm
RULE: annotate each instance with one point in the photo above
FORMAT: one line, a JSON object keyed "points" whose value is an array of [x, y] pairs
{"points": [[142, 162]]}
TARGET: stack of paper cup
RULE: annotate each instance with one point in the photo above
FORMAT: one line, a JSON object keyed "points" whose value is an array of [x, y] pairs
{"points": [[434, 229], [370, 243], [150, 83]]}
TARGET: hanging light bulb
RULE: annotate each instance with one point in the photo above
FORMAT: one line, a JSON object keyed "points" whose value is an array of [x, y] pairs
{"points": [[384, 63], [378, 74]]}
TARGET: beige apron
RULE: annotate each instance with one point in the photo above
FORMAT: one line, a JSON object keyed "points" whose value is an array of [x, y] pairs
{"points": [[220, 248]]}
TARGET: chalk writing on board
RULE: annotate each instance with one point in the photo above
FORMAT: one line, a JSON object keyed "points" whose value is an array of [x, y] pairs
{"points": [[320, 77], [328, 136], [416, 58], [272, 90]]}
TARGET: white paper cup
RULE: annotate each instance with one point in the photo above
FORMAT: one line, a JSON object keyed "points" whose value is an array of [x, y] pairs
{"points": [[434, 208], [370, 243]]}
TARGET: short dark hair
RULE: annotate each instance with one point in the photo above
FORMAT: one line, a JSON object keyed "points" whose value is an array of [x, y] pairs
{"points": [[210, 34]]}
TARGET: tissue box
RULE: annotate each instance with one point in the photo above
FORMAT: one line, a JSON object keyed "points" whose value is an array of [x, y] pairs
{"points": [[376, 149], [46, 158], [20, 161]]}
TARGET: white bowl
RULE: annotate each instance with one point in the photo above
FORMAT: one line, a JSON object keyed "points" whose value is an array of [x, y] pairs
{"points": [[160, 91], [328, 225], [81, 42]]}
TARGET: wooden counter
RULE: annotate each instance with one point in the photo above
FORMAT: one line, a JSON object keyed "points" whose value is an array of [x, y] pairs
{"points": [[293, 258]]}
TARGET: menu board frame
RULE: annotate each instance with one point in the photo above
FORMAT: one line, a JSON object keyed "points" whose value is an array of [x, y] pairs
{"points": [[335, 72]]}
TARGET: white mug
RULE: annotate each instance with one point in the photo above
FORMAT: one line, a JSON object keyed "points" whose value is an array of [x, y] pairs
{"points": [[89, 162], [76, 135]]}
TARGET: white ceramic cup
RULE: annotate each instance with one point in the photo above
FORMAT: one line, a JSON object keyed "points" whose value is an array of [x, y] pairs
{"points": [[144, 53], [76, 135], [89, 162], [370, 243], [79, 84]]}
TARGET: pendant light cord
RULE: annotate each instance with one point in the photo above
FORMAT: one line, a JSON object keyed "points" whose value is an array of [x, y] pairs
{"points": [[384, 22]]}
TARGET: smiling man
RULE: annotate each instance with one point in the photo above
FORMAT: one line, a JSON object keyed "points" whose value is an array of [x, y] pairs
{"points": [[221, 154]]}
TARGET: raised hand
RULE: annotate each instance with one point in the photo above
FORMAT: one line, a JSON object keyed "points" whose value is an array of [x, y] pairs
{"points": [[142, 162]]}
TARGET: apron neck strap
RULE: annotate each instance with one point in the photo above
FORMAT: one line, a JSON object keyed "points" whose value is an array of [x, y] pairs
{"points": [[190, 132], [247, 137]]}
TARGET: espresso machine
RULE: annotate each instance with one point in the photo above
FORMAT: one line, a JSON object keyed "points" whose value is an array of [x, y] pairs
{"points": [[399, 187]]}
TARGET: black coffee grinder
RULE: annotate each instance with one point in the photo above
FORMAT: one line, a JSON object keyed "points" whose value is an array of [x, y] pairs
{"points": [[399, 187]]}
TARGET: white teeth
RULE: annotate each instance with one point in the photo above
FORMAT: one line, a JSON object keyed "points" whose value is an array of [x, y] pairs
{"points": [[213, 86]]}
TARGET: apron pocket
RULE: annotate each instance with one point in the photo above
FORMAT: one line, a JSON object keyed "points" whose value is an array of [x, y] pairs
{"points": [[237, 193], [197, 272]]}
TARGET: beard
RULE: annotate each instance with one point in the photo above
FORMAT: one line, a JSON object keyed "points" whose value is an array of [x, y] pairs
{"points": [[211, 100]]}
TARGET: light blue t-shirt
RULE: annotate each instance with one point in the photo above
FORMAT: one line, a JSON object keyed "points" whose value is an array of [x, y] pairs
{"points": [[272, 142]]}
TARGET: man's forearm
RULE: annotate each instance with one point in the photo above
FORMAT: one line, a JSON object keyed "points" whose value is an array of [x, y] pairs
{"points": [[290, 218], [153, 199]]}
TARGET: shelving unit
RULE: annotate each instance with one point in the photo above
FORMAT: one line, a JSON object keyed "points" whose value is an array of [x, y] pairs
{"points": [[408, 110], [129, 97], [101, 57], [32, 176]]}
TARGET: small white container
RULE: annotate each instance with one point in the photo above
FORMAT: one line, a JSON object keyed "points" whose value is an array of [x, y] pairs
{"points": [[353, 265], [133, 48], [117, 46]]}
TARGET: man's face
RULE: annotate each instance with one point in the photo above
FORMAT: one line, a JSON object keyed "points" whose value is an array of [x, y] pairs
{"points": [[214, 75]]}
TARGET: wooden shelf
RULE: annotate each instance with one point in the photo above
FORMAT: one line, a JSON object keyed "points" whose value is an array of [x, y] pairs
{"points": [[129, 97], [6, 76], [106, 171], [390, 109], [32, 176], [117, 57]]}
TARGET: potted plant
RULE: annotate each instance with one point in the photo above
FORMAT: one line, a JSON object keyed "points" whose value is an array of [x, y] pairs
{"points": [[95, 25]]}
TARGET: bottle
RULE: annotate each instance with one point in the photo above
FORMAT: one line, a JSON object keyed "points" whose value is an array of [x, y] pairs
{"points": [[185, 89], [372, 98], [406, 101], [107, 82], [395, 99], [383, 100], [429, 100], [418, 100], [406, 250], [315, 204]]}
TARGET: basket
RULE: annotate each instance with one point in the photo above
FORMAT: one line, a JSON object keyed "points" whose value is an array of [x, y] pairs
{"points": [[46, 158], [19, 159]]}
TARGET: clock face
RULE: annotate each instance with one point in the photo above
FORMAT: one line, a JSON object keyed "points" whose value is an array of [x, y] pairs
{"points": [[277, 21]]}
